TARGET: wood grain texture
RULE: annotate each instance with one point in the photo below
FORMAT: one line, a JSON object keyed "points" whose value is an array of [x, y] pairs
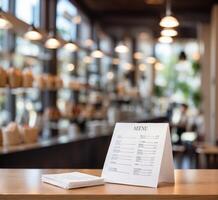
{"points": [[23, 184]]}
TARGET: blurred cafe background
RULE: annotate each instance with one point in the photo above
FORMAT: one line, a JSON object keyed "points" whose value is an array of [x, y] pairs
{"points": [[71, 69]]}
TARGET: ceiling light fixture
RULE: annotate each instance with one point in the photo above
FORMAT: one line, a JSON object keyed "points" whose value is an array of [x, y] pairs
{"points": [[150, 60], [159, 66], [142, 67], [165, 39], [52, 42], [4, 22], [128, 66], [138, 55], [33, 34], [121, 48], [70, 67], [70, 46], [169, 32], [110, 75], [169, 21], [97, 54]]}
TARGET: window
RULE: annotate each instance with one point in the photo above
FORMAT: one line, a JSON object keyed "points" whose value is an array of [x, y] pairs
{"points": [[4, 5], [28, 11], [174, 75], [65, 26]]}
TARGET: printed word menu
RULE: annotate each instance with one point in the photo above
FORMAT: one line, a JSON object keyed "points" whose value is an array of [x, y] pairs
{"points": [[139, 154]]}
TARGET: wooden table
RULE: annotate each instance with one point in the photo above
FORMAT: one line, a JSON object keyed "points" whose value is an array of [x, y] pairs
{"points": [[210, 153], [23, 184]]}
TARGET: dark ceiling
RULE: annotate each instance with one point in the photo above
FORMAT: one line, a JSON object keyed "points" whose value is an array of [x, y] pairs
{"points": [[119, 17]]}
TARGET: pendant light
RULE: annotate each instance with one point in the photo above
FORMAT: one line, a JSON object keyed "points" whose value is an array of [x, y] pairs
{"points": [[110, 75], [150, 60], [165, 39], [142, 67], [70, 67], [159, 66], [97, 53], [32, 34], [127, 66], [52, 42], [138, 55], [169, 21], [4, 23], [121, 48], [169, 32], [70, 46]]}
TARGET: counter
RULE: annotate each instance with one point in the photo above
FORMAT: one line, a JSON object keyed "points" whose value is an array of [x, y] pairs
{"points": [[23, 184]]}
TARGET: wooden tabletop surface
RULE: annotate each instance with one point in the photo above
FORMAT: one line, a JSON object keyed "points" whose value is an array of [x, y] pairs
{"points": [[25, 184]]}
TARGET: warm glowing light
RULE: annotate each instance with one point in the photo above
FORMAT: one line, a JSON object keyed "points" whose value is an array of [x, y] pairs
{"points": [[196, 56], [142, 67], [4, 23], [87, 59], [32, 34], [97, 54], [150, 60], [121, 48], [77, 19], [52, 43], [89, 43], [127, 66], [169, 22], [165, 39], [110, 75], [71, 46], [159, 66], [70, 67], [115, 61], [169, 32], [138, 55]]}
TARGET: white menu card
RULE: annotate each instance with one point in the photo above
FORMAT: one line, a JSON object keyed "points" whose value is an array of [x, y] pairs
{"points": [[139, 154]]}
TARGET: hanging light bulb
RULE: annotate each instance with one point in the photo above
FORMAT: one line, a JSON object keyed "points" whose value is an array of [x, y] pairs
{"points": [[169, 32], [33, 34], [150, 60], [97, 54], [138, 55], [169, 21], [4, 23], [128, 66], [165, 39], [70, 46], [142, 67], [52, 42], [159, 66], [70, 67], [110, 75], [121, 48]]}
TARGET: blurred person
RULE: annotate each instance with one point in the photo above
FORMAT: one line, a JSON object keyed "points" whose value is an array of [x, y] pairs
{"points": [[182, 123], [199, 126]]}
